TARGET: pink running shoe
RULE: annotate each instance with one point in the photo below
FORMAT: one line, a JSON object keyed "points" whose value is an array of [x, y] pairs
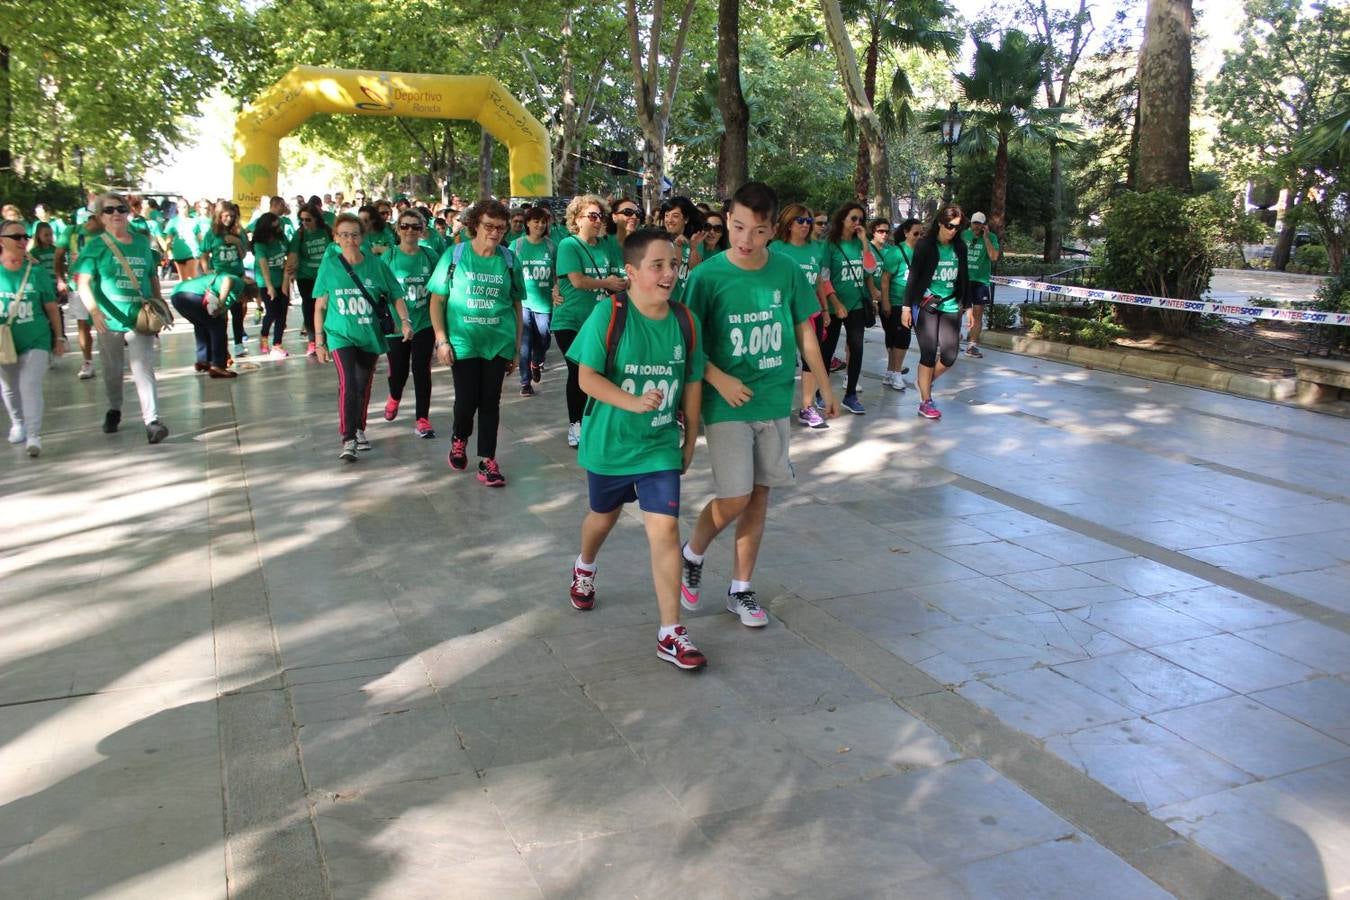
{"points": [[929, 411], [390, 409]]}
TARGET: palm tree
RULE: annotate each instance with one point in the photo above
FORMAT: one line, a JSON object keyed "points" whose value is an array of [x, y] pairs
{"points": [[888, 26], [1000, 95]]}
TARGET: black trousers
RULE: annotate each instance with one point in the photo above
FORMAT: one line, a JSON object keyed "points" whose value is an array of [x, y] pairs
{"points": [[208, 330], [414, 356], [478, 392], [275, 307], [576, 397], [306, 288], [853, 327], [939, 337], [355, 371]]}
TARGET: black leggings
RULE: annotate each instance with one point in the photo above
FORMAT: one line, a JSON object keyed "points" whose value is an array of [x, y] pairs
{"points": [[237, 316], [414, 354], [355, 371], [478, 391], [854, 326], [576, 397], [274, 314], [939, 337], [306, 288]]}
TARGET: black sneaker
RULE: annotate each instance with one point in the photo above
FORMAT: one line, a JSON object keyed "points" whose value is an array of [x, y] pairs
{"points": [[527, 390], [111, 419], [156, 432], [536, 372]]}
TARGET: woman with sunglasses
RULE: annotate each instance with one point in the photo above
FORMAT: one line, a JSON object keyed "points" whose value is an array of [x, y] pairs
{"points": [[792, 239], [847, 268], [308, 247], [937, 285], [715, 234], [820, 223], [626, 219], [379, 238], [476, 293], [223, 250], [28, 305], [588, 270], [894, 276], [412, 264], [116, 272], [350, 286], [270, 247], [535, 252]]}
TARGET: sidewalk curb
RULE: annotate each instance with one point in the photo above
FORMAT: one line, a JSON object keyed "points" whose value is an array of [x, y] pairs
{"points": [[1275, 390]]}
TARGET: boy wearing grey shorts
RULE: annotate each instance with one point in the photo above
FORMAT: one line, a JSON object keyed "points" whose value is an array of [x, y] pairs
{"points": [[755, 306]]}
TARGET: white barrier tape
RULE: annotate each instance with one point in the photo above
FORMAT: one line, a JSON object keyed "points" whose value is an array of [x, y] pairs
{"points": [[1308, 317]]}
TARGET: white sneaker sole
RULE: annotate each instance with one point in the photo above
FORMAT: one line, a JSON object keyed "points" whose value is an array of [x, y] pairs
{"points": [[661, 654]]}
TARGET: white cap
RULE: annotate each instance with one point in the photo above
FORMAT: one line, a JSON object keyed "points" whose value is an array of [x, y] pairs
{"points": [[977, 219]]}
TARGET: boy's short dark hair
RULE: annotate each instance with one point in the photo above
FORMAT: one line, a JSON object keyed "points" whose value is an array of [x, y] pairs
{"points": [[635, 245], [757, 197]]}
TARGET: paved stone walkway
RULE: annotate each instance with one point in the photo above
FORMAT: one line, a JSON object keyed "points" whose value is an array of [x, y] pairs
{"points": [[1085, 637]]}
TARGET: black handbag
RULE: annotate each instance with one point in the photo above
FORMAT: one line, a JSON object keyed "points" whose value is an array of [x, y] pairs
{"points": [[384, 317]]}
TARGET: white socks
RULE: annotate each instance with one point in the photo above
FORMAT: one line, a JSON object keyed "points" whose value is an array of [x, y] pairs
{"points": [[738, 587], [587, 567], [695, 558]]}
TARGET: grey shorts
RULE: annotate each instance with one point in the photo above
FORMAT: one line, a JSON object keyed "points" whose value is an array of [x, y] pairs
{"points": [[746, 454]]}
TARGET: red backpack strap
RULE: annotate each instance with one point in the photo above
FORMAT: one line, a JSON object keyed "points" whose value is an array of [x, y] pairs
{"points": [[685, 317], [618, 318]]}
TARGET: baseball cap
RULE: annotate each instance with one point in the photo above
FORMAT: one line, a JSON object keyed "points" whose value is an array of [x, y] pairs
{"points": [[977, 219]]}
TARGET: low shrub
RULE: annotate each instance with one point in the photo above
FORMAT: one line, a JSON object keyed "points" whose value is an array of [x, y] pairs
{"points": [[1334, 296], [1087, 326], [1000, 316], [1311, 258]]}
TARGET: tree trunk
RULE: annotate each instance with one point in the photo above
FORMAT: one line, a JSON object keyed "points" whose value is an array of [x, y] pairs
{"points": [[998, 202], [859, 105], [485, 144], [1284, 243], [733, 158], [6, 112], [562, 152], [862, 180], [1054, 232], [1165, 84], [653, 109]]}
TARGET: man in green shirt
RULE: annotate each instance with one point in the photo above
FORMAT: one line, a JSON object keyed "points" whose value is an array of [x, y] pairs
{"points": [[982, 251], [632, 446], [755, 307]]}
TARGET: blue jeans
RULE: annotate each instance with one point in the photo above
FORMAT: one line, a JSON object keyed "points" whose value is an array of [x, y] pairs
{"points": [[208, 329], [534, 340]]}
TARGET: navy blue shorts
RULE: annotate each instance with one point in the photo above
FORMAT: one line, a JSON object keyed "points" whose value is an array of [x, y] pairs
{"points": [[979, 294], [655, 492]]}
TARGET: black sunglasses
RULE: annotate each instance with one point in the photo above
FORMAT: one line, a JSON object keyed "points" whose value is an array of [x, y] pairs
{"points": [[21, 238], [717, 228], [109, 210], [626, 212], [805, 220], [956, 224], [409, 226]]}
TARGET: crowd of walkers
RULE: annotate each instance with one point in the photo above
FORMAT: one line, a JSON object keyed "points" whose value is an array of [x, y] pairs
{"points": [[697, 320]]}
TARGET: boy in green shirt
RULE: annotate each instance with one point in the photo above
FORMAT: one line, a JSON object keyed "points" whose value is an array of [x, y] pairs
{"points": [[632, 448], [982, 251], [755, 307]]}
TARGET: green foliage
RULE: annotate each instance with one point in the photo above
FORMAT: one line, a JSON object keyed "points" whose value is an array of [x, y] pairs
{"points": [[26, 193], [1159, 243], [1002, 92], [1027, 203], [1087, 326], [1334, 296], [1000, 316], [1312, 258]]}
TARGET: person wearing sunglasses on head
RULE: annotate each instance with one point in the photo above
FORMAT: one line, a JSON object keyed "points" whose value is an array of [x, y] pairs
{"points": [[848, 267], [793, 240], [412, 264], [349, 290], [116, 273], [536, 253], [28, 306], [305, 254], [589, 269], [939, 285]]}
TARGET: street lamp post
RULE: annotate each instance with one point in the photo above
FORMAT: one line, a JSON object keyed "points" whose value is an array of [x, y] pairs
{"points": [[951, 135], [913, 192]]}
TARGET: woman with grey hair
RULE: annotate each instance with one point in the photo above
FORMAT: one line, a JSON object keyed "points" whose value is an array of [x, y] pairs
{"points": [[117, 275]]}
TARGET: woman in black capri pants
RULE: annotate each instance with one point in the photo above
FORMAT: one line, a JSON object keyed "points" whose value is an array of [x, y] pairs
{"points": [[937, 286]]}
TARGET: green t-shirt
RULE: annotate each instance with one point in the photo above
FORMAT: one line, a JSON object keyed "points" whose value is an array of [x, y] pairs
{"points": [[309, 248], [60, 230], [32, 330], [944, 278], [897, 263], [46, 258], [379, 242], [117, 299], [183, 231], [845, 262], [413, 271], [432, 240], [148, 227], [978, 265], [211, 282], [598, 261], [273, 254], [225, 255], [806, 256], [349, 319], [329, 217], [536, 267], [479, 302], [650, 355], [750, 319]]}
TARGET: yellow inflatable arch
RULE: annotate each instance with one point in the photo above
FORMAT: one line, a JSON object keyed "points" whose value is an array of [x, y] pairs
{"points": [[308, 90]]}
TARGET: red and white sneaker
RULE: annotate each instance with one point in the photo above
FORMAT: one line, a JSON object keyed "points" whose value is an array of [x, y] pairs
{"points": [[583, 589], [390, 409], [678, 650], [311, 349], [423, 429]]}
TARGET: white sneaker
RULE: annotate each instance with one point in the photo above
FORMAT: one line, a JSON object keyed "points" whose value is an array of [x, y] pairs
{"points": [[574, 434], [240, 350], [87, 370], [17, 434], [34, 445], [744, 605], [361, 443]]}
